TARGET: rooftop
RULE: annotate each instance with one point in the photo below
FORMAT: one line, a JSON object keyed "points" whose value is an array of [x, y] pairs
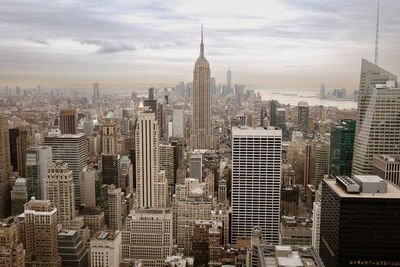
{"points": [[392, 191], [244, 130]]}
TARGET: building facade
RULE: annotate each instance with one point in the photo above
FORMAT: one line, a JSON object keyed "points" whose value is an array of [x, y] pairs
{"points": [[256, 172], [68, 121]]}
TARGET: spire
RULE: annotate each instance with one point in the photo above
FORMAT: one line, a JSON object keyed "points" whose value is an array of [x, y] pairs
{"points": [[201, 44], [377, 36]]}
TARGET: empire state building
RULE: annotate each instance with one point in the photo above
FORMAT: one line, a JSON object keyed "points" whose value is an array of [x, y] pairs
{"points": [[201, 135]]}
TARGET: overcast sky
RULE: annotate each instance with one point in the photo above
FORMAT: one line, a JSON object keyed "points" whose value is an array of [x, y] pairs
{"points": [[121, 43]]}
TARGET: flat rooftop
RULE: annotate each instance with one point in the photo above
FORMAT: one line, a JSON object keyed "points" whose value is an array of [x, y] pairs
{"points": [[392, 191], [250, 131]]}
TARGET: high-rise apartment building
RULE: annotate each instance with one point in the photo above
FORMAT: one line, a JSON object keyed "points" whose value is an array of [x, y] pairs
{"points": [[303, 111], [5, 167], [341, 148], [377, 128], [359, 222], [151, 185], [11, 246], [68, 121], [60, 192], [114, 209], [105, 249], [256, 174], [388, 168], [148, 236], [38, 160], [109, 135], [72, 149], [19, 196], [41, 234], [196, 165], [201, 135]]}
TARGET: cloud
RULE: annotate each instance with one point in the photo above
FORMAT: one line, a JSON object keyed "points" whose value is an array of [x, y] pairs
{"points": [[107, 45]]}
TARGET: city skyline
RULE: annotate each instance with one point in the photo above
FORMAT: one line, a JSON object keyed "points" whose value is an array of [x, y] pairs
{"points": [[282, 44]]}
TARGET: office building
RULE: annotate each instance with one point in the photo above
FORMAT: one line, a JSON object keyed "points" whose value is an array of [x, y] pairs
{"points": [[11, 246], [178, 123], [105, 249], [272, 113], [72, 250], [206, 243], [341, 148], [151, 93], [201, 135], [94, 219], [5, 167], [114, 209], [256, 174], [359, 222], [319, 166], [19, 196], [96, 91], [388, 168], [196, 165], [148, 236], [126, 175], [87, 185], [322, 94], [111, 169], [60, 192], [109, 135], [71, 149], [263, 117], [167, 163], [151, 184], [280, 117], [377, 129], [68, 121], [316, 226], [38, 160], [21, 138], [303, 111], [41, 234]]}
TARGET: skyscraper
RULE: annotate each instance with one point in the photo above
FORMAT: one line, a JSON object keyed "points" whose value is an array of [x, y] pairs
{"points": [[359, 222], [114, 209], [322, 92], [38, 160], [41, 234], [256, 171], [68, 121], [109, 135], [195, 166], [319, 161], [229, 81], [60, 192], [178, 122], [12, 253], [388, 168], [19, 196], [201, 135], [96, 91], [5, 167], [272, 113], [377, 128], [21, 138], [72, 149], [151, 184], [341, 148], [302, 117]]}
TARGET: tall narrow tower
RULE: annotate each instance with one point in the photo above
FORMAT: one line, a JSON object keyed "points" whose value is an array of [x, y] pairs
{"points": [[201, 136]]}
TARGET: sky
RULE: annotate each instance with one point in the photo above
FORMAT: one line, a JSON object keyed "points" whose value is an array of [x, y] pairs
{"points": [[135, 43]]}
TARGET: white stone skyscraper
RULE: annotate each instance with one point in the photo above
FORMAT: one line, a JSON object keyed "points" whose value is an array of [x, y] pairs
{"points": [[151, 184], [201, 135], [256, 182], [59, 190], [378, 124]]}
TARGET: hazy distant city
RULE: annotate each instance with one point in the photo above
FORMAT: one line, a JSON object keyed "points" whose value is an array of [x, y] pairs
{"points": [[191, 134]]}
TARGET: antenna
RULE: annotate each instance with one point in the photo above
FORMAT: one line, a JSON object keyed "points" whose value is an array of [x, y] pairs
{"points": [[377, 35]]}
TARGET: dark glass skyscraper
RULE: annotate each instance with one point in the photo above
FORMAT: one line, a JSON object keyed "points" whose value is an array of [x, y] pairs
{"points": [[360, 222], [341, 148]]}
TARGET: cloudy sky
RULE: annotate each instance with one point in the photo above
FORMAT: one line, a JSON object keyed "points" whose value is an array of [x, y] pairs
{"points": [[133, 43]]}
